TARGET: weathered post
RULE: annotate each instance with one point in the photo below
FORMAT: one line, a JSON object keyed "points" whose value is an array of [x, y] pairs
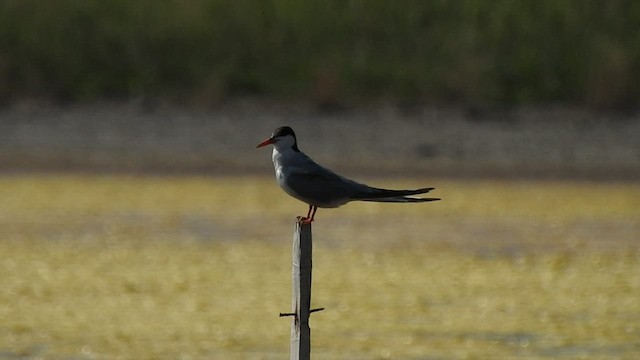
{"points": [[301, 294]]}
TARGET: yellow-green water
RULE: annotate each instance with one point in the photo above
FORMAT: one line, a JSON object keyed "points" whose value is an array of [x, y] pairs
{"points": [[107, 267]]}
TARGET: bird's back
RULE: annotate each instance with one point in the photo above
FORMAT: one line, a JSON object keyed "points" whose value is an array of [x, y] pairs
{"points": [[310, 182]]}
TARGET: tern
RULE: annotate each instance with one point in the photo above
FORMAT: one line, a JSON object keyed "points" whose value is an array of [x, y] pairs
{"points": [[309, 182]]}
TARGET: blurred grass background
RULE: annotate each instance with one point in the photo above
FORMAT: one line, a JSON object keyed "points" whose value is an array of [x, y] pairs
{"points": [[122, 267], [327, 52]]}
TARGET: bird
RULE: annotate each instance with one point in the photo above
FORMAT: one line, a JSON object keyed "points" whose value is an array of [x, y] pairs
{"points": [[304, 179]]}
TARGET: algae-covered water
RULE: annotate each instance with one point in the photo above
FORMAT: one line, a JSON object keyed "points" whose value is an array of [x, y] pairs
{"points": [[120, 267]]}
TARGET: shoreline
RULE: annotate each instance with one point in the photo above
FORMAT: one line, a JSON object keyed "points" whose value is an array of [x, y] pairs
{"points": [[384, 141]]}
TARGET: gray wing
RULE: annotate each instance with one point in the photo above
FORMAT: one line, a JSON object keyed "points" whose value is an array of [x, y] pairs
{"points": [[320, 185]]}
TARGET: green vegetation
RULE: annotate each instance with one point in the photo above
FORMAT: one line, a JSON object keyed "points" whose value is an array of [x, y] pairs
{"points": [[106, 267], [199, 51]]}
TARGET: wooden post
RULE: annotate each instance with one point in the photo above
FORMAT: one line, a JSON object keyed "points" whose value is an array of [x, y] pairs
{"points": [[301, 294]]}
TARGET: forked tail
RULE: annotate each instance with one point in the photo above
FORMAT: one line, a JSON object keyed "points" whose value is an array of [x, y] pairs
{"points": [[402, 199], [400, 196]]}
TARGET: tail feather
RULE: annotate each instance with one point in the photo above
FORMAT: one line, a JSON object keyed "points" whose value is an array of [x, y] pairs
{"points": [[401, 199], [376, 193]]}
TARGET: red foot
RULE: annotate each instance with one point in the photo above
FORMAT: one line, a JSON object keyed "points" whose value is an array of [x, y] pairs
{"points": [[310, 214], [304, 220]]}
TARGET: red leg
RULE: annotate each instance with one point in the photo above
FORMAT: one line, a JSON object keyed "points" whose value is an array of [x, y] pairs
{"points": [[310, 214]]}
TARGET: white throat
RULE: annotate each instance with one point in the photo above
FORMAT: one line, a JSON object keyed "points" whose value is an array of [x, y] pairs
{"points": [[284, 156]]}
